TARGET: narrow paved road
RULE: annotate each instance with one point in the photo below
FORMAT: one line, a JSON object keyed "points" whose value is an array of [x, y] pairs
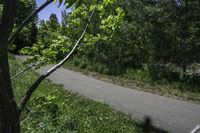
{"points": [[167, 113]]}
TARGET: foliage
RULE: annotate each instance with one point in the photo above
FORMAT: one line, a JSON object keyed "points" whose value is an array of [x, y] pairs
{"points": [[64, 23], [59, 45], [27, 36], [156, 33], [1, 10], [46, 49]]}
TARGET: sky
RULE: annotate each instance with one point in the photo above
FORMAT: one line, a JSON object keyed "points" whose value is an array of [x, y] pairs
{"points": [[52, 8]]}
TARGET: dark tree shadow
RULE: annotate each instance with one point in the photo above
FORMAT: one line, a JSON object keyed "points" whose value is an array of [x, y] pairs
{"points": [[147, 126]]}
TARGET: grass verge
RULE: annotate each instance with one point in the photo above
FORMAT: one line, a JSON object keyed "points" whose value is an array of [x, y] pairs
{"points": [[53, 110], [137, 79]]}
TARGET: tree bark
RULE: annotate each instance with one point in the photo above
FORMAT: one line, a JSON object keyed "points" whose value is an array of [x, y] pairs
{"points": [[9, 114]]}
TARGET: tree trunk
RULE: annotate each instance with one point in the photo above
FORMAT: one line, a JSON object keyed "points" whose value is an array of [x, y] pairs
{"points": [[9, 114]]}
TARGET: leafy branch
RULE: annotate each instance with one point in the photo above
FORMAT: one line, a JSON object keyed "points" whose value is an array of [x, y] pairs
{"points": [[32, 89]]}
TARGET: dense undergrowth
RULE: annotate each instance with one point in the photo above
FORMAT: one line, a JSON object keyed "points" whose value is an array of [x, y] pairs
{"points": [[177, 87], [53, 110]]}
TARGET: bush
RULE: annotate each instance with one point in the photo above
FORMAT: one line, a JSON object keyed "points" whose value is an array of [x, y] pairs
{"points": [[193, 79], [168, 72], [76, 62], [137, 74], [83, 64]]}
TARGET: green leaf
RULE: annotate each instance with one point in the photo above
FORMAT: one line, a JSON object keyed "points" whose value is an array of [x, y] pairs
{"points": [[69, 3]]}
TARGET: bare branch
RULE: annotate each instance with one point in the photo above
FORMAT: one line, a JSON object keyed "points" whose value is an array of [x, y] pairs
{"points": [[24, 120], [196, 129], [31, 90], [23, 71], [27, 20]]}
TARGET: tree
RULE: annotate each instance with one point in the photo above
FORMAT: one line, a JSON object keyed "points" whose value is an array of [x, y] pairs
{"points": [[10, 111], [64, 25], [27, 36], [53, 23], [103, 50], [154, 32], [129, 47], [75, 25], [47, 32], [187, 33], [9, 118], [175, 32]]}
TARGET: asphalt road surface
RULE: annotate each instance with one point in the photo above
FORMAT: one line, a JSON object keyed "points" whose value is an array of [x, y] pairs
{"points": [[172, 115]]}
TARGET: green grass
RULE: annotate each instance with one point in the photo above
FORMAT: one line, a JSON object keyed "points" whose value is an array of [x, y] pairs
{"points": [[137, 79], [53, 110]]}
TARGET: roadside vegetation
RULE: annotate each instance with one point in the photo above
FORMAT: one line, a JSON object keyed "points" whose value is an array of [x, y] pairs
{"points": [[53, 110], [137, 79], [156, 49], [151, 45]]}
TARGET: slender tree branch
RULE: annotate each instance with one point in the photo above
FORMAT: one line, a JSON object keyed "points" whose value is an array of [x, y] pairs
{"points": [[24, 120], [31, 90], [27, 20], [23, 71], [196, 129]]}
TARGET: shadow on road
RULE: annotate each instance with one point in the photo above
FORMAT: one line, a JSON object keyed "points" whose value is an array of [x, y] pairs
{"points": [[147, 126]]}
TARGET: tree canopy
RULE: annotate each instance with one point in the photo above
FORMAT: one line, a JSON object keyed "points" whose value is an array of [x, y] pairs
{"points": [[57, 45]]}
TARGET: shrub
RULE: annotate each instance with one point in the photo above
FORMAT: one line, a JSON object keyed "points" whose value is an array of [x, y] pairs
{"points": [[164, 71], [137, 74]]}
